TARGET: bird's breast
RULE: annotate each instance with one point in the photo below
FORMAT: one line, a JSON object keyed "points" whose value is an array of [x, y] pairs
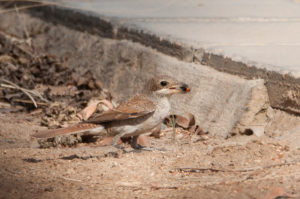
{"points": [[163, 109]]}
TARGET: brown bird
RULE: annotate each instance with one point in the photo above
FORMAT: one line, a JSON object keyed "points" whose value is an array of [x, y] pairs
{"points": [[138, 115]]}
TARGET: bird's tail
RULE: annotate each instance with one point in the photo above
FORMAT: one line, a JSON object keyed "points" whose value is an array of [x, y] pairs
{"points": [[78, 128]]}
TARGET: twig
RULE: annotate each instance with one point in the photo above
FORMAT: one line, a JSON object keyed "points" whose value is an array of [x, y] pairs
{"points": [[163, 187], [21, 8], [30, 102], [173, 127], [40, 3], [25, 91], [71, 179], [28, 40], [198, 170]]}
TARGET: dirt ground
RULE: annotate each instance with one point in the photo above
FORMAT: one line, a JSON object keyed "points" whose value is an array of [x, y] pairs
{"points": [[192, 166]]}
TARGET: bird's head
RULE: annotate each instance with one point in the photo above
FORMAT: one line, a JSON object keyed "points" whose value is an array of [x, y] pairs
{"points": [[166, 86]]}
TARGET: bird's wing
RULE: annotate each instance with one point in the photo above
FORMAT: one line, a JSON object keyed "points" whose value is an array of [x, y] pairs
{"points": [[133, 108]]}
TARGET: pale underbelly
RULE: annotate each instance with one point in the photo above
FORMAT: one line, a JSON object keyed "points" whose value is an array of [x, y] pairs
{"points": [[139, 128]]}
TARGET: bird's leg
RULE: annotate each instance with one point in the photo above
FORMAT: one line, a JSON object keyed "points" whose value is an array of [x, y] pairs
{"points": [[134, 143], [116, 140], [137, 146]]}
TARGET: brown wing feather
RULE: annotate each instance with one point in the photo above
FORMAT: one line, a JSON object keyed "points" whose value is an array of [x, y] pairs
{"points": [[133, 108], [65, 131]]}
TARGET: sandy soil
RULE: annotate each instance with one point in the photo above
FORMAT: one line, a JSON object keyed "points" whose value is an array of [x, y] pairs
{"points": [[192, 167]]}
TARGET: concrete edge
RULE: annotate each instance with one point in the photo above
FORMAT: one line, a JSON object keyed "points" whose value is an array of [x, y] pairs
{"points": [[283, 90]]}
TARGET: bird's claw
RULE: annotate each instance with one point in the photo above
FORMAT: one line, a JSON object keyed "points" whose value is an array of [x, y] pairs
{"points": [[142, 148], [117, 146]]}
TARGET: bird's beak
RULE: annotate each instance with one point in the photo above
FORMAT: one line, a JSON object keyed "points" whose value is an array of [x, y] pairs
{"points": [[181, 88], [185, 88]]}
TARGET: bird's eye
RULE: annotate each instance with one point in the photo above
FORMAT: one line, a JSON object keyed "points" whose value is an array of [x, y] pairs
{"points": [[163, 83]]}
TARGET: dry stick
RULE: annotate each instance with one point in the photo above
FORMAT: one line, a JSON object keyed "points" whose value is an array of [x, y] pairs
{"points": [[34, 92], [21, 8], [12, 38], [30, 102], [28, 41], [196, 170], [173, 127], [40, 4], [25, 91], [71, 179]]}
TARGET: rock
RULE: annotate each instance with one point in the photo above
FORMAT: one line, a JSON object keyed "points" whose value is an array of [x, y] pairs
{"points": [[256, 112]]}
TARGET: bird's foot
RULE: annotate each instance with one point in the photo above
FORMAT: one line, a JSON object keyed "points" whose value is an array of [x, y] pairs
{"points": [[120, 147], [152, 149], [143, 148]]}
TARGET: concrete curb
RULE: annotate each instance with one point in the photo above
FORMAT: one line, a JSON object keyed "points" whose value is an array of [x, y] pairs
{"points": [[283, 90]]}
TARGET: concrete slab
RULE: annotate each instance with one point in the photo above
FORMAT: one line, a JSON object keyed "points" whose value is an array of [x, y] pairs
{"points": [[253, 39], [264, 33]]}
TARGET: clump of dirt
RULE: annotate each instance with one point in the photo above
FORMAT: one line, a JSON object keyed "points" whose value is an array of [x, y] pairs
{"points": [[61, 92], [65, 141], [31, 70], [56, 81], [24, 66]]}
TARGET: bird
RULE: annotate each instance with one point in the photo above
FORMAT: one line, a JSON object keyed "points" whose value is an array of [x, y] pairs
{"points": [[135, 116]]}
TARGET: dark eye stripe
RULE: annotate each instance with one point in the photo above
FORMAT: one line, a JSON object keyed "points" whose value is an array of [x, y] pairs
{"points": [[163, 83]]}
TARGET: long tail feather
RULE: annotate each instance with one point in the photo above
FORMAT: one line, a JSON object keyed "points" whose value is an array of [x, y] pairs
{"points": [[78, 128]]}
